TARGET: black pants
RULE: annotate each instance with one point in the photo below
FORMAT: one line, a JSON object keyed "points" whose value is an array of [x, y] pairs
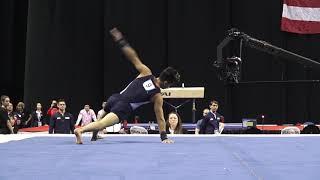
{"points": [[4, 131]]}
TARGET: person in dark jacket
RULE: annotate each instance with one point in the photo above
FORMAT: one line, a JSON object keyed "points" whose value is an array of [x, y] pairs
{"points": [[61, 122], [5, 124], [210, 123], [22, 116], [36, 118]]}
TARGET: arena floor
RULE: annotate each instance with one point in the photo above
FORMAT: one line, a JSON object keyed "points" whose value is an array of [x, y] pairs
{"points": [[137, 157]]}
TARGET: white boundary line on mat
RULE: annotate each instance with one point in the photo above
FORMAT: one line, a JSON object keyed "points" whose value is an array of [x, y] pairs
{"points": [[17, 137]]}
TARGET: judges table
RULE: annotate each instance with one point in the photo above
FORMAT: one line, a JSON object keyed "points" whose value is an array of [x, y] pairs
{"points": [[229, 128]]}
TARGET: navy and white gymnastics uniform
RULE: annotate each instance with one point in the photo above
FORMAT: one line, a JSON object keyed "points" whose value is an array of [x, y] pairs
{"points": [[137, 93]]}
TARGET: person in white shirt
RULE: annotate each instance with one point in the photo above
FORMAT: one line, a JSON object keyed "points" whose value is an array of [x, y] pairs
{"points": [[86, 116]]}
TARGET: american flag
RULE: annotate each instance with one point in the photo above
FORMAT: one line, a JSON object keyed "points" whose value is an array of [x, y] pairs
{"points": [[301, 16]]}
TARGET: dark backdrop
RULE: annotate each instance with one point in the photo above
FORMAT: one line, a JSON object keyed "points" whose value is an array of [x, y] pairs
{"points": [[13, 19], [61, 49]]}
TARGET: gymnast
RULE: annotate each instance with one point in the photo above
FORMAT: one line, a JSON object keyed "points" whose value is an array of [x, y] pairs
{"points": [[145, 88]]}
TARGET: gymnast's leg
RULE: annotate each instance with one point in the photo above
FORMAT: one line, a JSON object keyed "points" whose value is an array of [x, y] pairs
{"points": [[95, 135], [108, 120]]}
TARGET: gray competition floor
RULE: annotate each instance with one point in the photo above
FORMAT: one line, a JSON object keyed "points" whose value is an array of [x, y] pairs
{"points": [[138, 157]]}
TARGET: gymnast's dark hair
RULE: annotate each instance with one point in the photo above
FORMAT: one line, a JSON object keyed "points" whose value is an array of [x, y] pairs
{"points": [[170, 75]]}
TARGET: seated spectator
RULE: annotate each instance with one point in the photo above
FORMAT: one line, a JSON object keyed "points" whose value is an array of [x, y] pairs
{"points": [[136, 120], [174, 124], [5, 123], [12, 116], [210, 123], [22, 116], [36, 118], [61, 122], [204, 113], [86, 116], [310, 129]]}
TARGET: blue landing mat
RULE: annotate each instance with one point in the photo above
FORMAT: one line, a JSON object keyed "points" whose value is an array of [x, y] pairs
{"points": [[139, 158]]}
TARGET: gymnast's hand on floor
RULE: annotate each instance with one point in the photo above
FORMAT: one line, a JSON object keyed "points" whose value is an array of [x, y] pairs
{"points": [[167, 141]]}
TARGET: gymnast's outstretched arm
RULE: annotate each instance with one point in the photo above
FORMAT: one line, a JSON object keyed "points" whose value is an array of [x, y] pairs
{"points": [[158, 103]]}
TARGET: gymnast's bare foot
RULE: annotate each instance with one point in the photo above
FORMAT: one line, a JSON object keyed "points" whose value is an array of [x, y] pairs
{"points": [[78, 133]]}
